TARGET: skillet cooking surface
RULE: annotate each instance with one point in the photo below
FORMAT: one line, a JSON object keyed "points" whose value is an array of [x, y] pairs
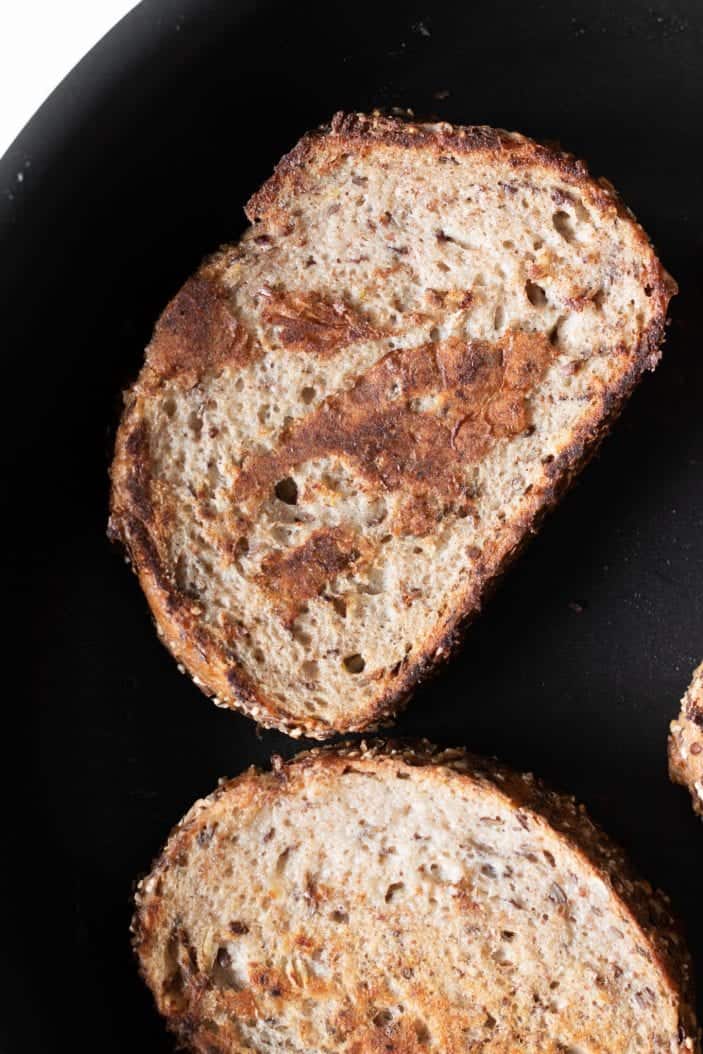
{"points": [[137, 166]]}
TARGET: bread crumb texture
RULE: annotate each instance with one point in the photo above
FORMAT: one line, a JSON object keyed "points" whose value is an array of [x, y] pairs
{"points": [[686, 742], [348, 423], [387, 899]]}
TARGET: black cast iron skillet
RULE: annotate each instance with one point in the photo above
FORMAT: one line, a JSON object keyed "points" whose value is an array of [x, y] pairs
{"points": [[135, 168]]}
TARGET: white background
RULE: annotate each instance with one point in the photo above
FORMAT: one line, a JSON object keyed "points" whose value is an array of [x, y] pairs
{"points": [[40, 42]]}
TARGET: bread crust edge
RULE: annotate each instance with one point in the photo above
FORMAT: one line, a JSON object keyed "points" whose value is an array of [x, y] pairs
{"points": [[685, 735]]}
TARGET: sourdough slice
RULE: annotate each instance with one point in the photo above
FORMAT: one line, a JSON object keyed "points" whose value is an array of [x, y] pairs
{"points": [[348, 423], [686, 742], [394, 899]]}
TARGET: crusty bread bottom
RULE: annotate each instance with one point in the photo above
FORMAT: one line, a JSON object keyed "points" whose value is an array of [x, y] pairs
{"points": [[388, 899]]}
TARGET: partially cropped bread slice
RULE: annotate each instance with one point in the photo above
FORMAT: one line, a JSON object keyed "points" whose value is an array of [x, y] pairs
{"points": [[349, 423], [406, 900], [686, 742]]}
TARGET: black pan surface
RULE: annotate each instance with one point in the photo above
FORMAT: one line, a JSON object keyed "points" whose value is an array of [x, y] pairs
{"points": [[135, 168]]}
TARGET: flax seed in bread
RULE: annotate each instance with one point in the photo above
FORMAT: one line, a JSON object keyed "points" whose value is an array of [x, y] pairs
{"points": [[686, 742], [389, 899], [349, 423]]}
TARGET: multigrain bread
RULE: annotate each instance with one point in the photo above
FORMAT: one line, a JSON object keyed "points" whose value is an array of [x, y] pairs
{"points": [[686, 742], [387, 898], [349, 423]]}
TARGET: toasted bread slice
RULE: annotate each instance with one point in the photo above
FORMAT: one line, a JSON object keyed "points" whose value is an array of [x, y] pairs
{"points": [[686, 742], [396, 899], [349, 422]]}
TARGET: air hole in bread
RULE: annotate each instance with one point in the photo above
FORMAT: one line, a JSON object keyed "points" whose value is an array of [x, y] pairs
{"points": [[241, 547], [581, 210], [535, 294], [286, 490], [537, 244], [339, 604], [259, 655], [393, 890], [435, 334], [282, 860], [508, 245], [307, 394], [223, 973], [563, 225], [310, 669], [498, 317], [382, 1018], [648, 290], [354, 663], [339, 916], [299, 634], [501, 957], [422, 1032], [170, 407], [195, 423], [600, 298], [441, 266], [553, 334]]}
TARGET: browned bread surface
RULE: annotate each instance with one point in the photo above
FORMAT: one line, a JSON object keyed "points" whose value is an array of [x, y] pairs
{"points": [[686, 742], [349, 423], [387, 898]]}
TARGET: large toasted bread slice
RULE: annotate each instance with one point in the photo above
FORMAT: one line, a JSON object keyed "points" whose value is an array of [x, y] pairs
{"points": [[686, 742], [348, 423], [396, 900]]}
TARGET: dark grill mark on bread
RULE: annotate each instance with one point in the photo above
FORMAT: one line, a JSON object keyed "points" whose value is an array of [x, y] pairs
{"points": [[311, 322], [481, 391], [198, 333], [293, 577]]}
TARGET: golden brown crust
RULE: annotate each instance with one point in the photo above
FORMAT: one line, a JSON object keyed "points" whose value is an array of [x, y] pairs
{"points": [[198, 332], [207, 336], [534, 805], [686, 742], [297, 575], [314, 324]]}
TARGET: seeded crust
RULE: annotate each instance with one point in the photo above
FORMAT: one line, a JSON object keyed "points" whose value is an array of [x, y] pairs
{"points": [[686, 742], [506, 922], [349, 424]]}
